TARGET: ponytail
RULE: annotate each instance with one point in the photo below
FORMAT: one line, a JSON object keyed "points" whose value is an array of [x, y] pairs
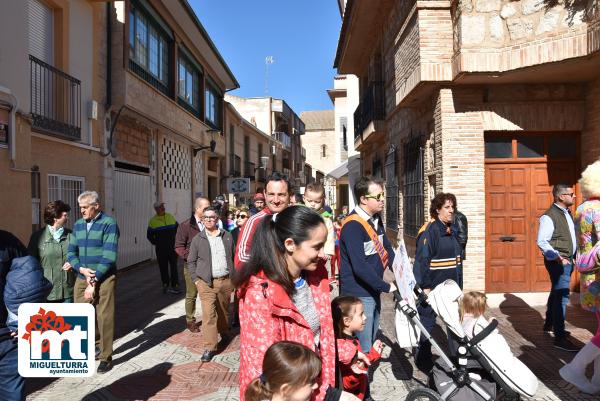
{"points": [[257, 390]]}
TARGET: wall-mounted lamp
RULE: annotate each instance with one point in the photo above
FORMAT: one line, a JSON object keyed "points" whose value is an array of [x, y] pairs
{"points": [[212, 144]]}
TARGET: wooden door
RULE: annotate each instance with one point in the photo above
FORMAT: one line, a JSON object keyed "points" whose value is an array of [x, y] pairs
{"points": [[507, 231]]}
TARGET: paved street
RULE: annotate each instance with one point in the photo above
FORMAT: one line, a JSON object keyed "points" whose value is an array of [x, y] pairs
{"points": [[155, 359]]}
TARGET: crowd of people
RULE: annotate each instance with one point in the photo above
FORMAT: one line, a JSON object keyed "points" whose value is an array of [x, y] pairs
{"points": [[279, 261]]}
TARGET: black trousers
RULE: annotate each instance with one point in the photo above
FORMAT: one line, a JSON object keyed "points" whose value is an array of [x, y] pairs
{"points": [[167, 263]]}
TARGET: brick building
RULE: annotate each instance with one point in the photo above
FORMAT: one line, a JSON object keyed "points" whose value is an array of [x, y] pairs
{"points": [[493, 100], [276, 117], [165, 106], [50, 108], [251, 154]]}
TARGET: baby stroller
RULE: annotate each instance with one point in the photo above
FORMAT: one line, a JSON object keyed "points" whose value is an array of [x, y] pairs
{"points": [[485, 369]]}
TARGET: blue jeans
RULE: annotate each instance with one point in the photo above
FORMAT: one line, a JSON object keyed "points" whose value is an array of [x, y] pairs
{"points": [[372, 310], [556, 311], [12, 385]]}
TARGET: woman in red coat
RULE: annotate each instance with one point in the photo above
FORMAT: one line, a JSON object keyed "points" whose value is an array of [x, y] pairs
{"points": [[284, 295]]}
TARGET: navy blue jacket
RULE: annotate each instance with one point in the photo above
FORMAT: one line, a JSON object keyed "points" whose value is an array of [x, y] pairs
{"points": [[361, 275], [25, 283], [438, 256], [10, 248]]}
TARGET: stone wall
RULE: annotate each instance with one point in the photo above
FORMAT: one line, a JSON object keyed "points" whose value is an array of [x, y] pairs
{"points": [[312, 142], [503, 35]]}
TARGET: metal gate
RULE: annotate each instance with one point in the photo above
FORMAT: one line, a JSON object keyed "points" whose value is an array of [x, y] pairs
{"points": [[177, 179], [133, 208]]}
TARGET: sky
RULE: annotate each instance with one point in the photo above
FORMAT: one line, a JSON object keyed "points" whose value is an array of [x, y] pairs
{"points": [[300, 35]]}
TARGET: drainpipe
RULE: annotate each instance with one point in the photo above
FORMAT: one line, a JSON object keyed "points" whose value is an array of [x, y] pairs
{"points": [[11, 99]]}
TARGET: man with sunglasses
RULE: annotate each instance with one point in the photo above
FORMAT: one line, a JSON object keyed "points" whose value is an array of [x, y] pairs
{"points": [[365, 254], [556, 239]]}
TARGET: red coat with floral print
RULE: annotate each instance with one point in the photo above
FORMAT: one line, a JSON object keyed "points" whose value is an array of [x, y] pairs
{"points": [[268, 315], [348, 347]]}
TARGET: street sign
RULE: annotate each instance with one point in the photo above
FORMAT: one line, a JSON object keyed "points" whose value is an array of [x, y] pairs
{"points": [[238, 185]]}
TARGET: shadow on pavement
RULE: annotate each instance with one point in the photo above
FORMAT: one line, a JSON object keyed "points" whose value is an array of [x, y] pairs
{"points": [[141, 385], [139, 297], [535, 347], [151, 336]]}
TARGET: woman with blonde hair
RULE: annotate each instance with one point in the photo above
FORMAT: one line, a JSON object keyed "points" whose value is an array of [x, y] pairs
{"points": [[587, 229]]}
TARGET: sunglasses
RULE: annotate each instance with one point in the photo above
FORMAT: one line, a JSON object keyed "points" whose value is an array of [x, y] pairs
{"points": [[379, 196], [210, 217], [242, 216], [569, 193]]}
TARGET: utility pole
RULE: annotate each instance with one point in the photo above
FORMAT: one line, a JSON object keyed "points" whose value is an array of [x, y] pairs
{"points": [[268, 61]]}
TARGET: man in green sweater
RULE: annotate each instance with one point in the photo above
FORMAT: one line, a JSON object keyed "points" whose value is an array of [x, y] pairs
{"points": [[93, 247]]}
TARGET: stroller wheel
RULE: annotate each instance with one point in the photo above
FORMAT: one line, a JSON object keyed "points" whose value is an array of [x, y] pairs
{"points": [[423, 394]]}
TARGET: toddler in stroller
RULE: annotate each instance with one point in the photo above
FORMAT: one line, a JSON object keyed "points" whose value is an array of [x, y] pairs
{"points": [[484, 361]]}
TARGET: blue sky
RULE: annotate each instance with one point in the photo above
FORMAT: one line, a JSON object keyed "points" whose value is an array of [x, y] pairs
{"points": [[301, 35]]}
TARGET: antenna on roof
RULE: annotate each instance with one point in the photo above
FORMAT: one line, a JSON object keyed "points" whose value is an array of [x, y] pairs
{"points": [[268, 61]]}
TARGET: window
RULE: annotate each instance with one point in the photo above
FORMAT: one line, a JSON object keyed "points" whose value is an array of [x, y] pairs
{"points": [[213, 106], [188, 86], [231, 150], [67, 189], [391, 191], [323, 150], [413, 187], [344, 129], [148, 49]]}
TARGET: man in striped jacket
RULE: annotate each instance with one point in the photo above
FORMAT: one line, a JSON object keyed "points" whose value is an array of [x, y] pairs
{"points": [[277, 195], [93, 247]]}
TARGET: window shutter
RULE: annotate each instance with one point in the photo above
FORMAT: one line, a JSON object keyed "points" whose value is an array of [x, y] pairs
{"points": [[40, 31]]}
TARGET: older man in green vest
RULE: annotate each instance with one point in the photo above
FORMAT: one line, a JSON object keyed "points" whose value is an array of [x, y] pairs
{"points": [[162, 228], [556, 239]]}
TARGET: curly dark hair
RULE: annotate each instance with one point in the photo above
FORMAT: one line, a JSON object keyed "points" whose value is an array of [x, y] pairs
{"points": [[54, 210], [438, 202]]}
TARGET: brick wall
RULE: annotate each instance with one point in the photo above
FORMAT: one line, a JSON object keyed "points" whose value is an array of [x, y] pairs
{"points": [[463, 174], [132, 142]]}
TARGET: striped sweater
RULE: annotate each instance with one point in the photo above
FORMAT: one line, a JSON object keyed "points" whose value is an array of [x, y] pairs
{"points": [[96, 248]]}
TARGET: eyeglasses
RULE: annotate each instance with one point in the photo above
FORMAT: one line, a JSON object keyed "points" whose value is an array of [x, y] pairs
{"points": [[209, 217], [380, 196], [242, 216], [569, 193]]}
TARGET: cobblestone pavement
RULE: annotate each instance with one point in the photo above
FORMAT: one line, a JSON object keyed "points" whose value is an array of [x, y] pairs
{"points": [[156, 359]]}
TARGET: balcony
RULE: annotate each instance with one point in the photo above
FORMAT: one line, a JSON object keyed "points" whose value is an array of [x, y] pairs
{"points": [[369, 117], [55, 100], [284, 138]]}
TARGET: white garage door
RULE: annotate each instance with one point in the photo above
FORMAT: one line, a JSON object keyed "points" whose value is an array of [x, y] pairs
{"points": [[133, 209], [177, 179]]}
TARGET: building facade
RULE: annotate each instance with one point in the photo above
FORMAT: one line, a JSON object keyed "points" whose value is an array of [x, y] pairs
{"points": [[251, 155], [123, 97], [345, 98], [323, 148], [493, 100], [50, 108], [164, 109], [275, 117]]}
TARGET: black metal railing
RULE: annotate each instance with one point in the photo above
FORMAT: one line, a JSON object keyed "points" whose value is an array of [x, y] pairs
{"points": [[249, 169], [55, 100], [370, 108], [148, 77]]}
